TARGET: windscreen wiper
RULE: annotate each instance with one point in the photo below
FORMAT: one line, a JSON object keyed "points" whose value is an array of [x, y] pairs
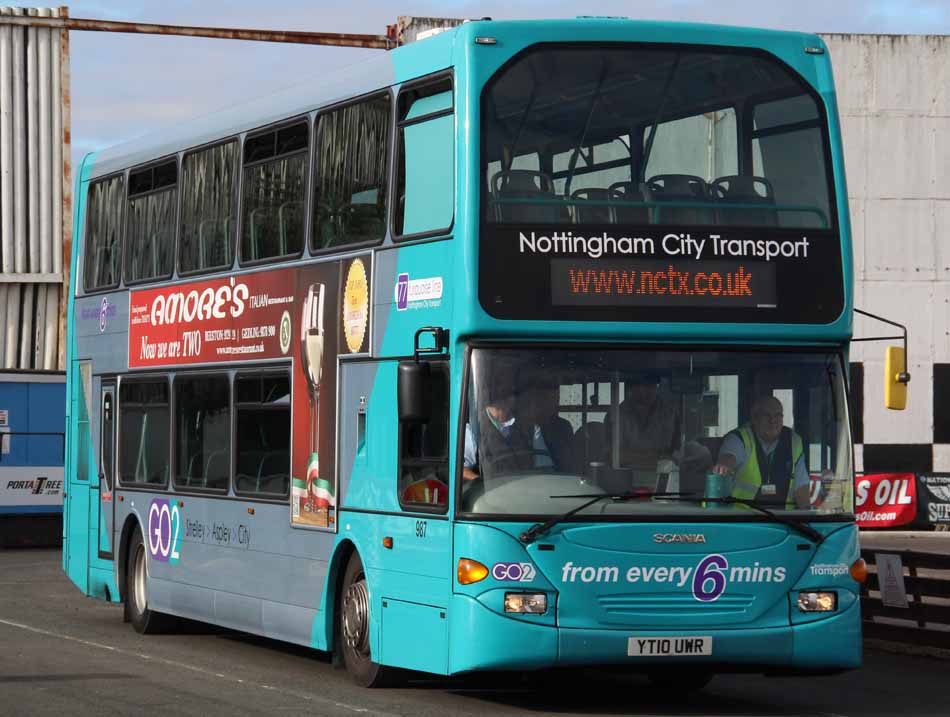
{"points": [[539, 529], [797, 525]]}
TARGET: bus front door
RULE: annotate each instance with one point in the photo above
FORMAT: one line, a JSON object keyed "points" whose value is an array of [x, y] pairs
{"points": [[79, 460], [105, 513]]}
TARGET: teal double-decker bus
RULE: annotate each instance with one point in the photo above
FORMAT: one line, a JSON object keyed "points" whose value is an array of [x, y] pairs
{"points": [[521, 346]]}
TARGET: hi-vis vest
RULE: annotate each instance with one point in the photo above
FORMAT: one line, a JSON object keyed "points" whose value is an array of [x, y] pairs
{"points": [[748, 478]]}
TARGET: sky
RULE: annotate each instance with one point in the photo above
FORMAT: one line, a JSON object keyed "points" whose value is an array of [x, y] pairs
{"points": [[124, 86]]}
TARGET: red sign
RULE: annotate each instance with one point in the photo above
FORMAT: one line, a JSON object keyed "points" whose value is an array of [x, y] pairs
{"points": [[238, 318], [885, 500]]}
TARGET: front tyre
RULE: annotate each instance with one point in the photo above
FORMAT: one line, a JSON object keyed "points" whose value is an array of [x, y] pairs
{"points": [[137, 611], [353, 629]]}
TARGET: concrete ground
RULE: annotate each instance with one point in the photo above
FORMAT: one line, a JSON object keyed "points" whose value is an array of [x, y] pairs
{"points": [[63, 654]]}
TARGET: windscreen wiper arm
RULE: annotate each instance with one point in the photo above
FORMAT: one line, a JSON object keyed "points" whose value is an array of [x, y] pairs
{"points": [[539, 529], [798, 526]]}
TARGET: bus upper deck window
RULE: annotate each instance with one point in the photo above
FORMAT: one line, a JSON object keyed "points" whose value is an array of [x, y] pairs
{"points": [[350, 188], [208, 208], [425, 190], [150, 240], [274, 195], [104, 227]]}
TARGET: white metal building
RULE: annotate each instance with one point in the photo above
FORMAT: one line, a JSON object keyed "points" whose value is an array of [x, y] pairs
{"points": [[894, 100]]}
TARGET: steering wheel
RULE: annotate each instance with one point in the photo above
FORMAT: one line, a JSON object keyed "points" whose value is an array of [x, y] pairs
{"points": [[514, 454]]}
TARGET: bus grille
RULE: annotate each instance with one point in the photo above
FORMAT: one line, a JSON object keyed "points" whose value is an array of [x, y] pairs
{"points": [[672, 604]]}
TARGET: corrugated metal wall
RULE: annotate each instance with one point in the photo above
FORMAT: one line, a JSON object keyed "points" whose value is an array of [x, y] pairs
{"points": [[33, 149]]}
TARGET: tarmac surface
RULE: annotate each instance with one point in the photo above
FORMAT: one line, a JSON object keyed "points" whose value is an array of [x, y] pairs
{"points": [[64, 654]]}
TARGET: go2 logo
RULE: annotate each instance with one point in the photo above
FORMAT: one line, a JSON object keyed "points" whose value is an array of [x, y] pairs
{"points": [[164, 530], [513, 572]]}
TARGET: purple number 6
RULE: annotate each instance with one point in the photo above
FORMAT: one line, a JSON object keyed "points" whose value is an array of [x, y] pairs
{"points": [[709, 569]]}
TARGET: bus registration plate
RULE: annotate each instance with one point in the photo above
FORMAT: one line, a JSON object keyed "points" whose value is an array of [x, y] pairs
{"points": [[669, 646]]}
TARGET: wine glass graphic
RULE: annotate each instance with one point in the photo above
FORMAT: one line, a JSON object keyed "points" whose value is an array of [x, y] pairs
{"points": [[312, 340]]}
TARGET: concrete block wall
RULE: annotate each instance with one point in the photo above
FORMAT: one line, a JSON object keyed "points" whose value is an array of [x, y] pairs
{"points": [[894, 101]]}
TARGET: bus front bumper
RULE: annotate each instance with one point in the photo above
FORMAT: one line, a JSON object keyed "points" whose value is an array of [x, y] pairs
{"points": [[486, 640]]}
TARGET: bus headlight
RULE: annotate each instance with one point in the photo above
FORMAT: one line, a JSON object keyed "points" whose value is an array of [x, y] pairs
{"points": [[817, 601], [532, 603]]}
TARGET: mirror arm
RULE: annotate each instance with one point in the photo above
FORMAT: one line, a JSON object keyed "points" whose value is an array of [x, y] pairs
{"points": [[903, 376], [439, 335]]}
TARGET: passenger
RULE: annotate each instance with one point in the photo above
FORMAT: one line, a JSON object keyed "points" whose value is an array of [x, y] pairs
{"points": [[767, 459], [552, 437], [648, 424]]}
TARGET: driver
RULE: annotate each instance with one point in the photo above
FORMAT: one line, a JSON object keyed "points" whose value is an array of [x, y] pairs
{"points": [[518, 432], [767, 457]]}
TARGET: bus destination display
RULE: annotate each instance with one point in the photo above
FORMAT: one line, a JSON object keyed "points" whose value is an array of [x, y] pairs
{"points": [[658, 283], [648, 273]]}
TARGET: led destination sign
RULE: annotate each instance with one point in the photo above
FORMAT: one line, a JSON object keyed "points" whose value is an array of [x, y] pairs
{"points": [[579, 282], [661, 273]]}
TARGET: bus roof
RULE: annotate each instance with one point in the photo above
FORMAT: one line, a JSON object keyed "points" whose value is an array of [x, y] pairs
{"points": [[292, 101]]}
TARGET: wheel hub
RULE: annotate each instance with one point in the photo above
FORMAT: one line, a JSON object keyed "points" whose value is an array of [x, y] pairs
{"points": [[356, 617], [139, 586]]}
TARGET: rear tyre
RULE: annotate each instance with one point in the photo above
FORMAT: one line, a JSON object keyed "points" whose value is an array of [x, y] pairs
{"points": [[353, 629], [682, 680], [145, 620]]}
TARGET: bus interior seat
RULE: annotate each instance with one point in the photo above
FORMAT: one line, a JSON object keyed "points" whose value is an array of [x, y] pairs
{"points": [[743, 189], [247, 469], [163, 251], [189, 242], [261, 222], [193, 476], [290, 221], [679, 188], [212, 243], [276, 484], [629, 193], [590, 443], [217, 469], [529, 185], [326, 225], [149, 265], [107, 262], [273, 473], [592, 213], [365, 222]]}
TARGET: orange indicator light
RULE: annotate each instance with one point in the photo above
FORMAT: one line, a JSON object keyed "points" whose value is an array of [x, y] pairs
{"points": [[471, 571]]}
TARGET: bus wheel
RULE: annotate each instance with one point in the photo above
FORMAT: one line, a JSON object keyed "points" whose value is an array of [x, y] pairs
{"points": [[683, 680], [353, 628], [144, 620]]}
